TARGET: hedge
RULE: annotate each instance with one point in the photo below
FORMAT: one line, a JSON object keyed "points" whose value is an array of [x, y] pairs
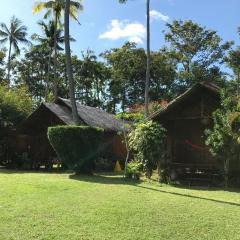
{"points": [[76, 146]]}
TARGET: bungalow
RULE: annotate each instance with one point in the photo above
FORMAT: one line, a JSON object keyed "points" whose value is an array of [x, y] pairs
{"points": [[186, 119], [31, 136]]}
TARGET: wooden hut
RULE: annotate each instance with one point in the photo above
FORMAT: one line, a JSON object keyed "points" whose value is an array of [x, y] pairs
{"points": [[186, 119], [31, 135]]}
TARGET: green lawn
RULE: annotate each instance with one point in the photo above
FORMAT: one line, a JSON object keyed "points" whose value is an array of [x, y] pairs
{"points": [[61, 206]]}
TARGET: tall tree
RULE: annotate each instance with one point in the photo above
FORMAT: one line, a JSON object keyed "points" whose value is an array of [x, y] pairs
{"points": [[233, 61], [69, 63], [56, 8], [146, 111], [198, 50], [15, 34], [49, 39], [147, 82]]}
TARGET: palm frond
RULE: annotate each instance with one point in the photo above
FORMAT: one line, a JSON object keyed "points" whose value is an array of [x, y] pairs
{"points": [[3, 34], [3, 40], [16, 48], [4, 28], [38, 6], [47, 14]]}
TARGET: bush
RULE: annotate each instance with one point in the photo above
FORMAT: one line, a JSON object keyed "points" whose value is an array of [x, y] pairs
{"points": [[223, 139], [76, 146], [133, 170], [147, 143]]}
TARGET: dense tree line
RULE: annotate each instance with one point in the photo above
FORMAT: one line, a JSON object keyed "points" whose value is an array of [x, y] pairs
{"points": [[115, 79]]}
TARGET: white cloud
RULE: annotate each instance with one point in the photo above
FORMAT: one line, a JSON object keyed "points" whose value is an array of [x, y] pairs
{"points": [[155, 15], [134, 32]]}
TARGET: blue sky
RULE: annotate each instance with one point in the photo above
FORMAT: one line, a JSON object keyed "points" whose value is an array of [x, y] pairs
{"points": [[107, 24]]}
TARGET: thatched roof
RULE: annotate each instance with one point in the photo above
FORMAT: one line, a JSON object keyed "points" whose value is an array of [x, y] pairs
{"points": [[89, 116], [183, 97]]}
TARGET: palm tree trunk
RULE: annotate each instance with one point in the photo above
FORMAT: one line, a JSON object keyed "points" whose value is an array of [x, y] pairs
{"points": [[48, 77], [69, 63], [238, 83], [9, 65], [146, 110], [55, 85]]}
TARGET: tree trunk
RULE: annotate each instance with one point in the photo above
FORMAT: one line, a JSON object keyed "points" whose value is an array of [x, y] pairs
{"points": [[146, 110], [9, 65], [48, 77], [125, 135], [69, 63], [238, 82], [226, 171], [55, 85]]}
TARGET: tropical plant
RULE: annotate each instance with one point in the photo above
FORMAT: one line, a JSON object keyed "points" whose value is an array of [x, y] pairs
{"points": [[69, 63], [47, 41], [147, 142], [56, 8], [133, 170], [223, 139], [15, 34]]}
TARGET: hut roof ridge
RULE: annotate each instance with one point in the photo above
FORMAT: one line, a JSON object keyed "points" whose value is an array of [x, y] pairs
{"points": [[207, 85]]}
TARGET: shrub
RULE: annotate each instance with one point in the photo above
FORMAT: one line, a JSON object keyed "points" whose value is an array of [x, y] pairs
{"points": [[133, 170], [76, 146], [147, 143], [223, 138]]}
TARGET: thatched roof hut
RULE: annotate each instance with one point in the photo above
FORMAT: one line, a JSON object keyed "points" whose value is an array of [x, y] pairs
{"points": [[186, 119], [31, 135], [61, 110]]}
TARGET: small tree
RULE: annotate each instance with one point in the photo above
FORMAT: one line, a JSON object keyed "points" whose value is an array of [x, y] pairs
{"points": [[147, 142], [222, 139]]}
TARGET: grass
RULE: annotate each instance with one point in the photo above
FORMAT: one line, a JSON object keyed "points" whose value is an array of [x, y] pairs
{"points": [[61, 206]]}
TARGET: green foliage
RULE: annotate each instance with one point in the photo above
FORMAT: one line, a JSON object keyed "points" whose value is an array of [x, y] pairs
{"points": [[198, 50], [15, 104], [133, 169], [222, 139], [76, 146], [147, 141], [132, 117], [128, 72]]}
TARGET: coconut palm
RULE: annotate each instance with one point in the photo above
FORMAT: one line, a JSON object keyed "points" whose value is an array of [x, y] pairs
{"points": [[69, 63], [46, 41], [56, 8], [14, 35]]}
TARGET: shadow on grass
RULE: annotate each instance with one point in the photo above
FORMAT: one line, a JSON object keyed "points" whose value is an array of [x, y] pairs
{"points": [[117, 179], [105, 179], [190, 196]]}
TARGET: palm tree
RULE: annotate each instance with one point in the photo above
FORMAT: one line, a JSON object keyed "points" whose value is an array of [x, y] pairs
{"points": [[55, 8], [15, 34], [146, 110], [47, 40], [69, 63]]}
